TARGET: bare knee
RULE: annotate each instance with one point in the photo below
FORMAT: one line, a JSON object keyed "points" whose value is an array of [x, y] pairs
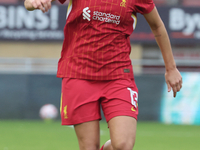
{"points": [[122, 132], [89, 146], [123, 145]]}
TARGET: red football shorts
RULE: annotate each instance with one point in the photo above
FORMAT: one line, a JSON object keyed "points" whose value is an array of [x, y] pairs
{"points": [[81, 100]]}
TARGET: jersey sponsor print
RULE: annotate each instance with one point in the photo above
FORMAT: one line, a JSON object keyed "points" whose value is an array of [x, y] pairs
{"points": [[97, 44]]}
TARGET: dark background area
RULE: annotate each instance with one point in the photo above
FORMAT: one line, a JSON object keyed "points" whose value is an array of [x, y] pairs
{"points": [[22, 96]]}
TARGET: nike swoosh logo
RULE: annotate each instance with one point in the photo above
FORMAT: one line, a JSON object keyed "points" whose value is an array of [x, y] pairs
{"points": [[132, 109]]}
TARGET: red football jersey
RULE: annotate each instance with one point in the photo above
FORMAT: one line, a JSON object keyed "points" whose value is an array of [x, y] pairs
{"points": [[96, 44]]}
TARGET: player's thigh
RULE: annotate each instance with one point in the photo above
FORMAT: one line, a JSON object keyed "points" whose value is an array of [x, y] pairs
{"points": [[122, 132], [79, 102], [121, 99], [88, 135]]}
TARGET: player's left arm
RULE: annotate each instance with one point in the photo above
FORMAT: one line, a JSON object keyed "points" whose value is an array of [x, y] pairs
{"points": [[172, 75]]}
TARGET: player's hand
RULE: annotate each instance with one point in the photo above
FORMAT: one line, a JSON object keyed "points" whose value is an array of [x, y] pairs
{"points": [[174, 80], [43, 5]]}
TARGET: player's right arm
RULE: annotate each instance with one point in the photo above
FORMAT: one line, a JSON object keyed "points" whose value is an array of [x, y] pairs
{"points": [[43, 5]]}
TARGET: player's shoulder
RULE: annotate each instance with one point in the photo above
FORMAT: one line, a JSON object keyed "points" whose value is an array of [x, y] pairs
{"points": [[144, 6]]}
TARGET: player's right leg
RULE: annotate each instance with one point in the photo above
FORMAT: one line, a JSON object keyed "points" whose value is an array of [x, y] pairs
{"points": [[88, 135], [107, 146], [80, 107]]}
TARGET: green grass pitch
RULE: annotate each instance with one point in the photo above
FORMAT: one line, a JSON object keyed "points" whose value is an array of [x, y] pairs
{"points": [[38, 135]]}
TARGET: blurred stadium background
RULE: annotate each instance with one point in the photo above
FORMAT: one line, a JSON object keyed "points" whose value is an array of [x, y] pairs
{"points": [[30, 45]]}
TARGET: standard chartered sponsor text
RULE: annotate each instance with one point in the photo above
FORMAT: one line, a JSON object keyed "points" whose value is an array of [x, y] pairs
{"points": [[31, 35], [106, 17]]}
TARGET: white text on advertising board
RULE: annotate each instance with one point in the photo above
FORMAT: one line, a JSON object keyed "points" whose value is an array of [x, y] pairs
{"points": [[180, 20], [18, 23]]}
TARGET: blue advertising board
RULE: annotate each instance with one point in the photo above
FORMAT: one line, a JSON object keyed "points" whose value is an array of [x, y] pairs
{"points": [[182, 24], [185, 108], [16, 23]]}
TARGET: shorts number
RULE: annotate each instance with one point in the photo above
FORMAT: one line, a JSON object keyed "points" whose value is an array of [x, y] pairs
{"points": [[134, 97]]}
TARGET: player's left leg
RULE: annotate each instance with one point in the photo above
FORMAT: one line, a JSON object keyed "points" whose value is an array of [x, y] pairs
{"points": [[122, 133], [120, 107]]}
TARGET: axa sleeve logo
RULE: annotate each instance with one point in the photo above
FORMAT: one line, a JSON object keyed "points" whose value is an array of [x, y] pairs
{"points": [[86, 13]]}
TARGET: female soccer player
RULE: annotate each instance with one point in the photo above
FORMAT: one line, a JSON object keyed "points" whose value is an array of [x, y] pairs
{"points": [[96, 69]]}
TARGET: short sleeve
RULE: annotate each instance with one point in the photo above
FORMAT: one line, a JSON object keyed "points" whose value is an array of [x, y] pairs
{"points": [[61, 1], [144, 6]]}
